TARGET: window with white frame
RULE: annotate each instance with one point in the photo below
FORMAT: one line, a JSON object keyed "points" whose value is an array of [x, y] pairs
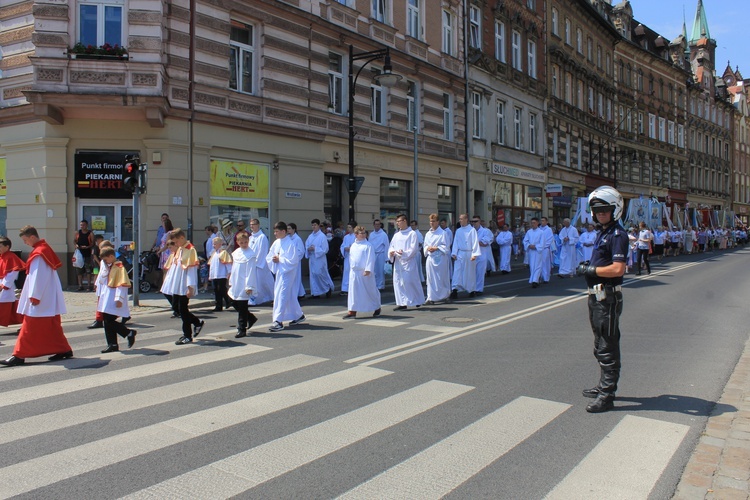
{"points": [[377, 104], [414, 19], [555, 81], [608, 65], [555, 22], [517, 133], [652, 126], [447, 117], [241, 58], [609, 110], [590, 50], [621, 118], [500, 41], [567, 31], [662, 129], [476, 115], [568, 88], [670, 132], [475, 27], [640, 122], [532, 133], [531, 56], [515, 50], [591, 99], [449, 45], [599, 105], [579, 40], [500, 121], [629, 119], [380, 11], [579, 94], [412, 118], [336, 83], [101, 22]]}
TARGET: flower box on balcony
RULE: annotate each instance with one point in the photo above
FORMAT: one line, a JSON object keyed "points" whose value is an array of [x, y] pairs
{"points": [[105, 52]]}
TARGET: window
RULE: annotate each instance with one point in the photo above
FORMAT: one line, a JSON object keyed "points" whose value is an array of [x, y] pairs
{"points": [[448, 41], [555, 82], [377, 104], [447, 117], [590, 49], [579, 40], [567, 31], [639, 80], [568, 88], [413, 19], [412, 120], [500, 111], [599, 105], [621, 118], [640, 122], [100, 23], [670, 132], [579, 94], [591, 99], [662, 129], [517, 128], [499, 41], [532, 133], [335, 83], [599, 56], [380, 11], [476, 115], [555, 26], [475, 28], [652, 126], [532, 59], [609, 110], [531, 4], [241, 58], [515, 50], [608, 60]]}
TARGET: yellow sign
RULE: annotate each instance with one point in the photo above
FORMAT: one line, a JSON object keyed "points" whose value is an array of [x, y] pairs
{"points": [[99, 222], [232, 180], [3, 183]]}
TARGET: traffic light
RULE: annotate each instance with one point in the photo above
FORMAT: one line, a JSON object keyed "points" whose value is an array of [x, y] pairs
{"points": [[130, 173]]}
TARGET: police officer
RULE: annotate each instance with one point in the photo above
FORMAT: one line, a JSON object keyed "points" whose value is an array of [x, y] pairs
{"points": [[604, 280]]}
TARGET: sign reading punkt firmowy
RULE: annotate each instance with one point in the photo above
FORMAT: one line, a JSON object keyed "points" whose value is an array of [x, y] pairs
{"points": [[98, 174]]}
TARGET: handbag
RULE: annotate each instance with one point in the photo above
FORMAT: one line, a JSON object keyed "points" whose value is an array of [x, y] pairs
{"points": [[77, 259]]}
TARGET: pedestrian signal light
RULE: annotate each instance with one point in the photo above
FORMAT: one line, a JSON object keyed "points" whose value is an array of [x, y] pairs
{"points": [[130, 173]]}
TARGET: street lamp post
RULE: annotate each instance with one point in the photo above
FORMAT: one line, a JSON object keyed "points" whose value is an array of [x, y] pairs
{"points": [[386, 79]]}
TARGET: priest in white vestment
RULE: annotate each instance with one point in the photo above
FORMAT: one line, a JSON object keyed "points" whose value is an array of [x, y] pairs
{"points": [[404, 253], [264, 281], [283, 259], [346, 247], [379, 241], [547, 250], [316, 249], [437, 252], [504, 240], [587, 240], [465, 254], [292, 230], [568, 252], [486, 261], [363, 291], [533, 244]]}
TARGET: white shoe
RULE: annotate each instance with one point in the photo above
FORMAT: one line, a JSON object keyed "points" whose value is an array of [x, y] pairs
{"points": [[276, 327], [299, 320]]}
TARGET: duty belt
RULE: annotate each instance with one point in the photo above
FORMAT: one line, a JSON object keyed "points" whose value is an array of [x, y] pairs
{"points": [[607, 288]]}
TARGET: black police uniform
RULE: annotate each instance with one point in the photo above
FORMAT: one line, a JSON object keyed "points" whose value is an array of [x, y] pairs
{"points": [[610, 246]]}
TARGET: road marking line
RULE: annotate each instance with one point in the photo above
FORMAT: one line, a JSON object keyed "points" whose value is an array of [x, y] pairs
{"points": [[68, 417], [387, 323], [236, 474], [115, 376], [71, 462], [434, 328], [443, 467], [638, 449]]}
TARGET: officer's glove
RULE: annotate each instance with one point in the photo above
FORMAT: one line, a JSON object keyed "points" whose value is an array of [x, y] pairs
{"points": [[586, 269]]}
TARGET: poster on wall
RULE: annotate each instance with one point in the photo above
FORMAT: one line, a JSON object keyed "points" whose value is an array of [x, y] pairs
{"points": [[239, 191], [98, 174], [99, 222]]}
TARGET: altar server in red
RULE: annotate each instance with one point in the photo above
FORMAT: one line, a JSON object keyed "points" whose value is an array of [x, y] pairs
{"points": [[10, 265]]}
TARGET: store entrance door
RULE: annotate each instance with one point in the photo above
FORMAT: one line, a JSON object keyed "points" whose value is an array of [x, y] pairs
{"points": [[114, 221]]}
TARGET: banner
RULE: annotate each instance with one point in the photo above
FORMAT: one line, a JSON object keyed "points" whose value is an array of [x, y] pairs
{"points": [[239, 183], [638, 211], [655, 211], [582, 212]]}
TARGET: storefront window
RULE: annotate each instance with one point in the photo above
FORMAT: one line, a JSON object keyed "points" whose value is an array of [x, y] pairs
{"points": [[446, 204], [394, 200], [240, 191], [332, 199]]}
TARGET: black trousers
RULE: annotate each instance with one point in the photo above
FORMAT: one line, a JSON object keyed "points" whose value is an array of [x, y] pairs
{"points": [[175, 308], [605, 322], [220, 293], [113, 328], [188, 319], [244, 315], [642, 256]]}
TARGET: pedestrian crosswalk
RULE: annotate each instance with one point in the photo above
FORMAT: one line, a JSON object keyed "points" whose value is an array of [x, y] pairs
{"points": [[385, 407]]}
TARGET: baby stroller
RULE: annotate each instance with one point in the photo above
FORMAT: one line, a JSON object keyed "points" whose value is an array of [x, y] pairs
{"points": [[150, 277]]}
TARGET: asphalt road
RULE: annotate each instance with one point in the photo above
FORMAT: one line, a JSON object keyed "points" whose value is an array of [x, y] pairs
{"points": [[479, 398]]}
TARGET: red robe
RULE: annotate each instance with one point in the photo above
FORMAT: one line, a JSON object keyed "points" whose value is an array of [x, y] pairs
{"points": [[41, 335], [9, 262]]}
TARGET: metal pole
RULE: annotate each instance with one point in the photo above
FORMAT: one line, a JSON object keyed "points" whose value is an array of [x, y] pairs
{"points": [[416, 174], [352, 190], [136, 240]]}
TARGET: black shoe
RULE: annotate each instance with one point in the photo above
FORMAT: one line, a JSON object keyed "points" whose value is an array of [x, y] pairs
{"points": [[505, 272], [95, 324], [535, 285], [429, 302], [298, 321], [479, 293], [343, 294], [240, 334], [60, 356], [183, 340], [472, 294], [175, 315], [216, 310], [328, 294], [602, 403], [376, 313], [590, 393], [399, 308], [110, 348], [197, 328], [454, 295], [125, 320], [349, 315], [131, 337], [12, 361]]}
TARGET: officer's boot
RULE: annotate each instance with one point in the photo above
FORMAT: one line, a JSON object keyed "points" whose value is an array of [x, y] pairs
{"points": [[603, 402]]}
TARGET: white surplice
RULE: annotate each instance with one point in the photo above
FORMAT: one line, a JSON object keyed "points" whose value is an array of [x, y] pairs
{"points": [[363, 290], [485, 260], [437, 265], [379, 241], [285, 302], [243, 275], [549, 239], [406, 284], [587, 239], [345, 249], [465, 246], [568, 251], [320, 279], [504, 240], [264, 283], [301, 248], [535, 237]]}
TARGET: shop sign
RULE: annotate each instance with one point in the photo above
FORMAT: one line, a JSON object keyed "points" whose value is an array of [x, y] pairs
{"points": [[518, 172], [562, 201], [553, 190], [98, 174]]}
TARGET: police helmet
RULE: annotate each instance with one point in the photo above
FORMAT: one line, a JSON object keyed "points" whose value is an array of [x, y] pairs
{"points": [[607, 196]]}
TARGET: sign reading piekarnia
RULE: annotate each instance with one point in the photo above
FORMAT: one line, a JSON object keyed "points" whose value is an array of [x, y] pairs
{"points": [[98, 174]]}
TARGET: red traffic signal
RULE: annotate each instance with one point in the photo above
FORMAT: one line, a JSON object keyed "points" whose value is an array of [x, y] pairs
{"points": [[130, 174]]}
